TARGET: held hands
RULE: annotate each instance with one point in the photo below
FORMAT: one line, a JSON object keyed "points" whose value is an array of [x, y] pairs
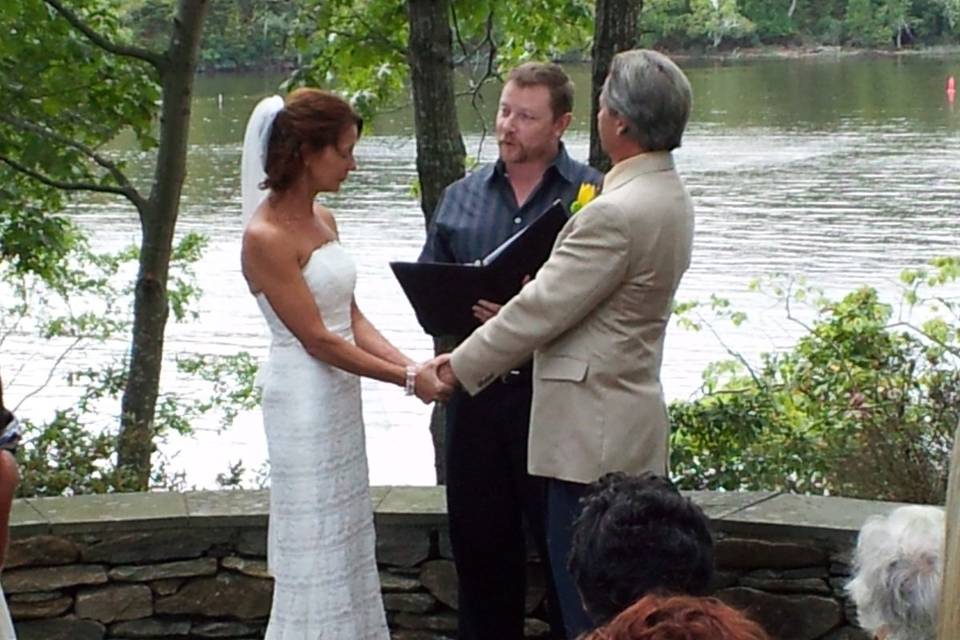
{"points": [[435, 380], [445, 371]]}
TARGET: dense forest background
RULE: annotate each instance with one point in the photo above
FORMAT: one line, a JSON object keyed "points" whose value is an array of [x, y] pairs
{"points": [[244, 34]]}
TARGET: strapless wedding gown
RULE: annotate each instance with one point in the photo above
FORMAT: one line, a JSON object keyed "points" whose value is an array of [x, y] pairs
{"points": [[320, 541]]}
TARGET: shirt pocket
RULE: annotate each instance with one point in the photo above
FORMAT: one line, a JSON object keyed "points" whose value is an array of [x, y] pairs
{"points": [[561, 368]]}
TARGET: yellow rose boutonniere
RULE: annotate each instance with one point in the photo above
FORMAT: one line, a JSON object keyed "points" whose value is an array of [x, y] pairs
{"points": [[587, 193]]}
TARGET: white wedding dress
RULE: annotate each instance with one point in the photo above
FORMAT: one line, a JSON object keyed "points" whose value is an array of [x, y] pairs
{"points": [[320, 542]]}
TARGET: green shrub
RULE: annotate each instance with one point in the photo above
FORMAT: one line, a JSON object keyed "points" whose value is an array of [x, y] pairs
{"points": [[863, 405], [80, 302]]}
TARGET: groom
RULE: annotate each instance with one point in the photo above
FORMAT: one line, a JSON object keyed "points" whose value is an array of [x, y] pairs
{"points": [[594, 317]]}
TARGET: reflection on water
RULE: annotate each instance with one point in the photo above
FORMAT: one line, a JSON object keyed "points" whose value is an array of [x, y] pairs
{"points": [[841, 170]]}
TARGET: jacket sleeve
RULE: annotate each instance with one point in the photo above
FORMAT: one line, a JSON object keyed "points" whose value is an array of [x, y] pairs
{"points": [[585, 268]]}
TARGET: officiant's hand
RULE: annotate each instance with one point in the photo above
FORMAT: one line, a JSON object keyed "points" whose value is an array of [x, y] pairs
{"points": [[483, 310], [429, 387]]}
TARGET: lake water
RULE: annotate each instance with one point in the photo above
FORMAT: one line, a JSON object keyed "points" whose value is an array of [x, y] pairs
{"points": [[843, 170]]}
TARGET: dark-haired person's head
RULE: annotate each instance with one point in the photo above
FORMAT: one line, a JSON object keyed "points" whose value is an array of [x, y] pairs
{"points": [[315, 127], [637, 535], [6, 416], [9, 427], [679, 618]]}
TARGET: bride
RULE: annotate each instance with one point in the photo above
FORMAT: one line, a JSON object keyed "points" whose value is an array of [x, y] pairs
{"points": [[320, 544]]}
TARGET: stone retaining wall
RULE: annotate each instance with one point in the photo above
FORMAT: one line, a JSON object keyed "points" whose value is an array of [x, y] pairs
{"points": [[166, 565]]}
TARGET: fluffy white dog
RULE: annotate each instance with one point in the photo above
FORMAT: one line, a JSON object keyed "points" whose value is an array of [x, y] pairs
{"points": [[898, 573]]}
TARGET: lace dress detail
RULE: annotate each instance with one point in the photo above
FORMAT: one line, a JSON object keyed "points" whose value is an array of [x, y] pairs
{"points": [[320, 542]]}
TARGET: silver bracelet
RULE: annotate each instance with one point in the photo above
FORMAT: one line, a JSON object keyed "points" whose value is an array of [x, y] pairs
{"points": [[410, 383]]}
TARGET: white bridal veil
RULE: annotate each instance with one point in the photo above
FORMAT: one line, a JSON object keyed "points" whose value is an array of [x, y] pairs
{"points": [[254, 155]]}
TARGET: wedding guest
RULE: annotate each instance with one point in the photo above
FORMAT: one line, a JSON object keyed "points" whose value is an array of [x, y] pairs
{"points": [[637, 535], [679, 618], [9, 478], [898, 567]]}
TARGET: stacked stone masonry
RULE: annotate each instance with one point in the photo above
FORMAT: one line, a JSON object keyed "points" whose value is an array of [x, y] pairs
{"points": [[192, 566]]}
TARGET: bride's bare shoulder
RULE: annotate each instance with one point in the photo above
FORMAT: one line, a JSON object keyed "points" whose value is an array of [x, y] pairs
{"points": [[263, 238], [326, 217]]}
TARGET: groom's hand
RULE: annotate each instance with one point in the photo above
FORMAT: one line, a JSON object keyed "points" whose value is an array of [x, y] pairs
{"points": [[445, 372], [429, 387]]}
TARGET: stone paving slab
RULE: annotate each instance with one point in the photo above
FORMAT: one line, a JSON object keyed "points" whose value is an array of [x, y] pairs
{"points": [[760, 513], [26, 520], [413, 505], [228, 508], [835, 519], [720, 504], [124, 511], [377, 494]]}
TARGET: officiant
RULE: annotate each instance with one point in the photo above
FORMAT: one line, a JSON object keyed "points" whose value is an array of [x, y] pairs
{"points": [[489, 492]]}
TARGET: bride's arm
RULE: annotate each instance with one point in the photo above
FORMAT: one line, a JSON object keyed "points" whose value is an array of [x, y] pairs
{"points": [[372, 341], [271, 264], [365, 334]]}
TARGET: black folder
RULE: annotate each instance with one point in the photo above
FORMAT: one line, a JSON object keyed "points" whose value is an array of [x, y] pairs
{"points": [[443, 294]]}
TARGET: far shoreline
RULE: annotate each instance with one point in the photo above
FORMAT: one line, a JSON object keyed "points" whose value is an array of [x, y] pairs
{"points": [[777, 52], [762, 52]]}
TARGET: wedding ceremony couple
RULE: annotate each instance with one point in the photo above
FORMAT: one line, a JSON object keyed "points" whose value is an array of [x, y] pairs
{"points": [[523, 440]]}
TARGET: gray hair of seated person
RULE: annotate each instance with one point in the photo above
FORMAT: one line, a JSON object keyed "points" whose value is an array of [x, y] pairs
{"points": [[651, 92], [898, 568]]}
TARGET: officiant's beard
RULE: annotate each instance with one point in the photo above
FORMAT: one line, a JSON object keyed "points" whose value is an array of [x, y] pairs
{"points": [[514, 152]]}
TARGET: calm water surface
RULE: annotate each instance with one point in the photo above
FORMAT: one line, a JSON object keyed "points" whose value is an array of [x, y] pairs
{"points": [[841, 170]]}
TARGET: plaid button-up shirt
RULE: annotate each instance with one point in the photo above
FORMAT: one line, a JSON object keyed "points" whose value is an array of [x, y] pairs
{"points": [[479, 212]]}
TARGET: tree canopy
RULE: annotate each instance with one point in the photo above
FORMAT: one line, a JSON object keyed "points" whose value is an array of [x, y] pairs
{"points": [[72, 79], [62, 98], [362, 47]]}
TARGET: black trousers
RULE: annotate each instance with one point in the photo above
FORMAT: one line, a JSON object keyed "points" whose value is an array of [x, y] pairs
{"points": [[489, 496]]}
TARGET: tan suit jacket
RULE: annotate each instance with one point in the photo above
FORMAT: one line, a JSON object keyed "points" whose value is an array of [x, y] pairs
{"points": [[594, 318]]}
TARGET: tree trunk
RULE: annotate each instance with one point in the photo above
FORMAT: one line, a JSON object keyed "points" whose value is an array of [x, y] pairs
{"points": [[440, 150], [158, 220], [615, 29]]}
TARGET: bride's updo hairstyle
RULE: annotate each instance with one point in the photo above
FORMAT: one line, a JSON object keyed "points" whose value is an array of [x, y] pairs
{"points": [[309, 117]]}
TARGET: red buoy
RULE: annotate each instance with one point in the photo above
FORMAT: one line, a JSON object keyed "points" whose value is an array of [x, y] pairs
{"points": [[951, 88]]}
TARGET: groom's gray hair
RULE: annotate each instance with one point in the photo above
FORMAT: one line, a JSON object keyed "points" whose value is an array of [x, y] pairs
{"points": [[652, 93], [898, 572]]}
